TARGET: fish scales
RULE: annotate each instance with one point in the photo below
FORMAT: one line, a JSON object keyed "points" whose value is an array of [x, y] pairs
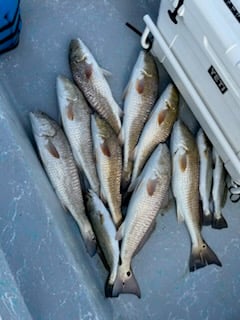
{"points": [[109, 165], [105, 231], [143, 207], [156, 129], [60, 166], [76, 119], [140, 96], [90, 79], [185, 185]]}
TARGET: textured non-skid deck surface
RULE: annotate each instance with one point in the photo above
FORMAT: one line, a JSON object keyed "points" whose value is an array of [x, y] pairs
{"points": [[45, 271]]}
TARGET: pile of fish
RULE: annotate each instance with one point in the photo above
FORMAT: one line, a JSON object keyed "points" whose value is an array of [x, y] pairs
{"points": [[107, 159]]}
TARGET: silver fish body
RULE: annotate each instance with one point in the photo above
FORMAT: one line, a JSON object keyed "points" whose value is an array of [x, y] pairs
{"points": [[62, 171], [156, 129], [205, 176], [219, 192], [105, 231], [142, 210], [109, 165], [90, 79], [76, 119], [141, 94], [185, 186]]}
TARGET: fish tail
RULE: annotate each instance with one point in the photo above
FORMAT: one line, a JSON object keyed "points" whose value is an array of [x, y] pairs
{"points": [[202, 256], [125, 283], [219, 223], [206, 219]]}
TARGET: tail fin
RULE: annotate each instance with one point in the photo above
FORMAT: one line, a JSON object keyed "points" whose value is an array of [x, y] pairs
{"points": [[125, 283], [202, 256], [219, 223], [206, 219]]}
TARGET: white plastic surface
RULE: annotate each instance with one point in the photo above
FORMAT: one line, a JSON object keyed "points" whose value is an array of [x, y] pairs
{"points": [[205, 36]]}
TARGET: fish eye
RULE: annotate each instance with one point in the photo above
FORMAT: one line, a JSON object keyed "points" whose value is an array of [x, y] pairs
{"points": [[203, 246], [129, 273]]}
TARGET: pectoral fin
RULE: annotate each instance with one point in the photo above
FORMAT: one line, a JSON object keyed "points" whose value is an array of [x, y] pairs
{"points": [[105, 149], [52, 150], [140, 85], [183, 161], [70, 112], [88, 70], [161, 116], [151, 186]]}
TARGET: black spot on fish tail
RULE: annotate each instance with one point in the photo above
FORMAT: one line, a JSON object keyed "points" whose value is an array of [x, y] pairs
{"points": [[202, 256], [219, 223], [126, 283]]}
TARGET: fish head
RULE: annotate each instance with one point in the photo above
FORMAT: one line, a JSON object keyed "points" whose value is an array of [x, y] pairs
{"points": [[80, 59], [66, 89], [181, 137], [100, 127], [42, 124], [125, 283]]}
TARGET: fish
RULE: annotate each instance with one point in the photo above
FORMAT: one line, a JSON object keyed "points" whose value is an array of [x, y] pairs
{"points": [[205, 175], [140, 96], [76, 120], [156, 129], [108, 155], [90, 78], [142, 210], [219, 192], [59, 164], [105, 231], [185, 187]]}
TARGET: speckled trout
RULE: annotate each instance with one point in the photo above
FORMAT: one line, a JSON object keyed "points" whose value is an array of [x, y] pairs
{"points": [[109, 165], [143, 207], [60, 166], [76, 119], [90, 79], [185, 186], [140, 96]]}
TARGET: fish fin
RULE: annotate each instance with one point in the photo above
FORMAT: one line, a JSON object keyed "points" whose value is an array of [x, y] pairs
{"points": [[183, 161], [105, 149], [125, 283], [180, 216], [140, 85], [161, 116], [202, 256], [205, 215], [120, 232], [151, 186], [52, 149], [146, 236], [108, 290], [121, 136], [88, 70], [206, 219], [219, 223], [106, 73], [70, 112]]}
